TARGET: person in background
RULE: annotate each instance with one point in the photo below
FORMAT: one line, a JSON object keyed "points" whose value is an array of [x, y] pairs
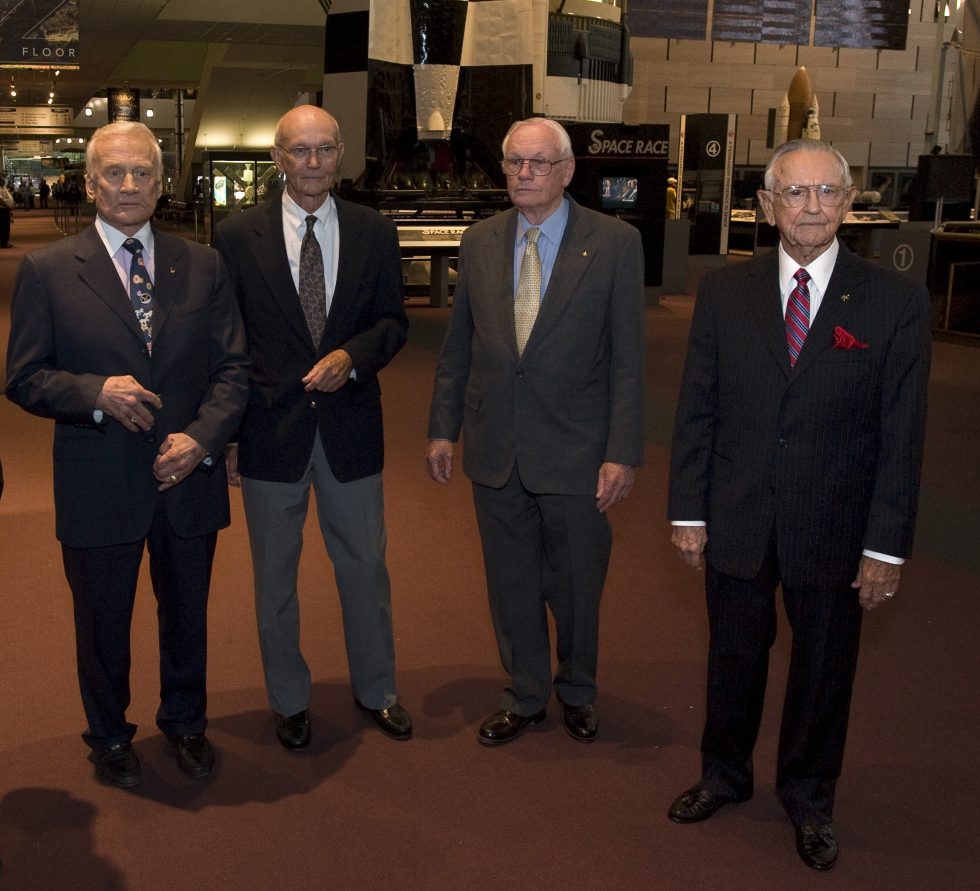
{"points": [[671, 210], [6, 208], [795, 463]]}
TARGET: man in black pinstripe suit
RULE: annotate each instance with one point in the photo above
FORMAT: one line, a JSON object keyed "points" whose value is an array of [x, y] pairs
{"points": [[795, 462]]}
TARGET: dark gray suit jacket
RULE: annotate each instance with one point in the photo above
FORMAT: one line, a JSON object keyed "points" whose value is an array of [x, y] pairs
{"points": [[575, 398], [826, 454], [72, 326], [367, 319]]}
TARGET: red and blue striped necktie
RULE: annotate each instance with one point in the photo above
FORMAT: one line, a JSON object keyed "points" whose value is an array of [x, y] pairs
{"points": [[798, 315]]}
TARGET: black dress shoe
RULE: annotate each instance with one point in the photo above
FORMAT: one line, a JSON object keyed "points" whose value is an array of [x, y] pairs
{"points": [[294, 732], [394, 721], [195, 757], [817, 845], [117, 765], [697, 804], [581, 722], [503, 726]]}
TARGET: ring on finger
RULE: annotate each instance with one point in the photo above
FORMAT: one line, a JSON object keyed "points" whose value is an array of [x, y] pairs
{"points": [[888, 595], [172, 477]]}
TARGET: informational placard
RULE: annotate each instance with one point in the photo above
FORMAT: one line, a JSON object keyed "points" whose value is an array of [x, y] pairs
{"points": [[53, 120]]}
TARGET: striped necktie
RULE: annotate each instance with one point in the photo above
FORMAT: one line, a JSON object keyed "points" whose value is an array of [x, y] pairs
{"points": [[798, 316]]}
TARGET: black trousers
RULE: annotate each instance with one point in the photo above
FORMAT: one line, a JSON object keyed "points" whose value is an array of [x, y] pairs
{"points": [[4, 225], [826, 628], [543, 551], [103, 585]]}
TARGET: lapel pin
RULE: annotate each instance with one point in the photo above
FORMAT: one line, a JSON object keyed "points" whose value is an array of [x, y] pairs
{"points": [[844, 298], [585, 253]]}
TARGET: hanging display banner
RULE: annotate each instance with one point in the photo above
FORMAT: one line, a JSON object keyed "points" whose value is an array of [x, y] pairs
{"points": [[40, 34], [123, 105]]}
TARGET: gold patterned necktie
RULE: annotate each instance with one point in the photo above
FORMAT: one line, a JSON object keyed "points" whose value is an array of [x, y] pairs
{"points": [[528, 296], [140, 290], [312, 286]]}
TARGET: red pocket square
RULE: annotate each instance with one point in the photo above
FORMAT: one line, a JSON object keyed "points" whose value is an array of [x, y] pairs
{"points": [[844, 340]]}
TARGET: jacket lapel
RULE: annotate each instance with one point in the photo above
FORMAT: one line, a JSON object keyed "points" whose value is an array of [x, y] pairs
{"points": [[575, 253], [170, 273], [350, 261], [844, 290], [99, 273], [765, 304], [269, 245]]}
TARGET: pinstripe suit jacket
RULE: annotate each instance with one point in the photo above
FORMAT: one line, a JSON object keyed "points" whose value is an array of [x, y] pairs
{"points": [[825, 455]]}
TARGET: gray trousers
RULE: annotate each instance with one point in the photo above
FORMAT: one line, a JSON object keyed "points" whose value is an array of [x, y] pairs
{"points": [[543, 551], [351, 519]]}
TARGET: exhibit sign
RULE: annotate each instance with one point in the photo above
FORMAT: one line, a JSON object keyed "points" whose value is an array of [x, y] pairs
{"points": [[40, 34]]}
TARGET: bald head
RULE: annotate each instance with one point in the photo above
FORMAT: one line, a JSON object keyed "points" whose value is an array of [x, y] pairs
{"points": [[308, 151], [305, 116]]}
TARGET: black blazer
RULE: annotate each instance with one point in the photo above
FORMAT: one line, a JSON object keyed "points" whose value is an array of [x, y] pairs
{"points": [[72, 326], [367, 319], [826, 454]]}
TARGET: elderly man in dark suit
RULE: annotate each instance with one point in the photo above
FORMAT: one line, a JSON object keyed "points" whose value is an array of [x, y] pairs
{"points": [[131, 340], [795, 461], [320, 286], [542, 369]]}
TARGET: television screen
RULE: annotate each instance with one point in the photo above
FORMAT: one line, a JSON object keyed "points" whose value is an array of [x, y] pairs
{"points": [[618, 192]]}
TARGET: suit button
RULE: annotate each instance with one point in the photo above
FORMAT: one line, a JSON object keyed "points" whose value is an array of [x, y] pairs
{"points": [[313, 404], [781, 442]]}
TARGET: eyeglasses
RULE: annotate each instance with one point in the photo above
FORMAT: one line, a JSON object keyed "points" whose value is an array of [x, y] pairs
{"points": [[302, 152], [537, 166], [797, 196]]}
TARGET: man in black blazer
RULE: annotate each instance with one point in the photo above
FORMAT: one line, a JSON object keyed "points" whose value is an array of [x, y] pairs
{"points": [[544, 376], [320, 287], [795, 461], [131, 340]]}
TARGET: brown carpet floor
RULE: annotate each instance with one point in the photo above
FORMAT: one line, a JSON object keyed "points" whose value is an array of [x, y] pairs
{"points": [[359, 811]]}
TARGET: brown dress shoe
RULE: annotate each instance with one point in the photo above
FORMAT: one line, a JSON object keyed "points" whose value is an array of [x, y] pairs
{"points": [[504, 726], [294, 731]]}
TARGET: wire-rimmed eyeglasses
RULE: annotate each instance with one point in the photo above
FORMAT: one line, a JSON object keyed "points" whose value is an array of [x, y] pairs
{"points": [[302, 152], [797, 196], [537, 166]]}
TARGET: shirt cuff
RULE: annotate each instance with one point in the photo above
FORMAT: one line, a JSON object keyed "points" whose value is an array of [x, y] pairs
{"points": [[885, 558], [688, 523]]}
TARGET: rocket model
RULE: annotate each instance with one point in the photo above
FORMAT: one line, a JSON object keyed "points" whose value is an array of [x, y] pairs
{"points": [[445, 78], [800, 98]]}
